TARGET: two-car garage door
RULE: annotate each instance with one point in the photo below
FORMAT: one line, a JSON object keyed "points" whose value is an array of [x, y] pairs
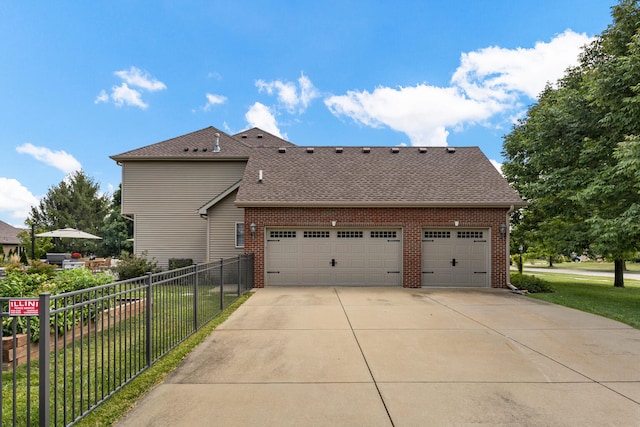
{"points": [[321, 257]]}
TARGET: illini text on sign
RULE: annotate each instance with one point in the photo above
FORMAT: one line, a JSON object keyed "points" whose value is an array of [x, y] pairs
{"points": [[24, 307]]}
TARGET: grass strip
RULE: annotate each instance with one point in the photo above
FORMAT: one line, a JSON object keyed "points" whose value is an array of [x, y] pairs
{"points": [[125, 399], [594, 294]]}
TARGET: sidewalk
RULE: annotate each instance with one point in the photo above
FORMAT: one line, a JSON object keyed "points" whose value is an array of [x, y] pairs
{"points": [[402, 357]]}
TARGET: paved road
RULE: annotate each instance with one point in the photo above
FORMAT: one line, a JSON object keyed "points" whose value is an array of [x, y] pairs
{"points": [[627, 275], [403, 357]]}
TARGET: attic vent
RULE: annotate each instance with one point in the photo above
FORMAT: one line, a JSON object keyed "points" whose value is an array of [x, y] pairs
{"points": [[185, 149], [422, 150], [260, 136], [309, 149], [395, 150], [195, 149], [451, 149], [282, 150], [339, 150], [244, 137], [204, 149], [216, 148], [366, 149]]}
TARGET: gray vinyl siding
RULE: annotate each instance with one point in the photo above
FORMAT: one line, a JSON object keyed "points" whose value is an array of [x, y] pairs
{"points": [[164, 198], [162, 239], [222, 222]]}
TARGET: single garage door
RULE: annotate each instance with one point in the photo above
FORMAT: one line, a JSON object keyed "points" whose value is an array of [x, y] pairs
{"points": [[327, 257], [455, 258]]}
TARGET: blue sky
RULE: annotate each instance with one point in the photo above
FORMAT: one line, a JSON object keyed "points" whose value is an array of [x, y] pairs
{"points": [[80, 81]]}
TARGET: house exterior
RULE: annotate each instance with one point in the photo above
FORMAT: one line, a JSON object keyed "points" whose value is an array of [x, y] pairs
{"points": [[320, 216], [9, 239]]}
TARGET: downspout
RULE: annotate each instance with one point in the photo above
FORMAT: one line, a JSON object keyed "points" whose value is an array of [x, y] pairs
{"points": [[208, 235], [508, 251], [130, 218]]}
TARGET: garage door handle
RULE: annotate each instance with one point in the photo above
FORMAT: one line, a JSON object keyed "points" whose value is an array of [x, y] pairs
{"points": [[276, 272], [479, 272], [454, 262], [333, 263], [393, 272]]}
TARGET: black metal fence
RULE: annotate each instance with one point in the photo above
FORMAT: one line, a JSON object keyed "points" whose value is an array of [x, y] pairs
{"points": [[94, 341]]}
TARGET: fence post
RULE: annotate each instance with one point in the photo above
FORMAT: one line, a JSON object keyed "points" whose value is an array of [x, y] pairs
{"points": [[195, 299], [149, 319], [221, 284], [239, 273], [44, 379]]}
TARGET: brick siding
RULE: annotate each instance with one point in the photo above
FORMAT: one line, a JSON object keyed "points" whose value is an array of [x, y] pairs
{"points": [[411, 220]]}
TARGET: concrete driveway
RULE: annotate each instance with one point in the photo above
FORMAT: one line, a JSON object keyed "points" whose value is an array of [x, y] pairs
{"points": [[403, 357]]}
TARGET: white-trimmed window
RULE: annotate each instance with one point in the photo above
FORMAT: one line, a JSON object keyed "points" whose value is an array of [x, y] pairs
{"points": [[239, 235]]}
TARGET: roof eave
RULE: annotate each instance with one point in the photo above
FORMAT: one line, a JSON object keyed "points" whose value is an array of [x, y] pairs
{"points": [[120, 159], [324, 204]]}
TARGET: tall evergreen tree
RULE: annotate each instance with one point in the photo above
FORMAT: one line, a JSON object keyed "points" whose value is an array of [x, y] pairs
{"points": [[76, 202], [116, 229]]}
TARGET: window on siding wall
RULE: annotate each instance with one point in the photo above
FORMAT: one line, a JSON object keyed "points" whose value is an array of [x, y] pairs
{"points": [[239, 235]]}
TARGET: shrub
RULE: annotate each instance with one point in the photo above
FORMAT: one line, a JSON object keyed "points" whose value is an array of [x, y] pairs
{"points": [[80, 278], [19, 283], [37, 266], [175, 263], [131, 266], [532, 284]]}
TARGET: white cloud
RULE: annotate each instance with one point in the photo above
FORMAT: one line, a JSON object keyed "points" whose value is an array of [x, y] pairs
{"points": [[496, 164], [213, 99], [142, 79], [16, 200], [58, 159], [129, 92], [422, 112], [261, 117], [124, 95], [308, 92], [487, 83], [294, 98], [103, 96], [498, 72]]}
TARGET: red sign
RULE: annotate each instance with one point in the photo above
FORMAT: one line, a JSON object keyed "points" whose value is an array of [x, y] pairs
{"points": [[24, 307]]}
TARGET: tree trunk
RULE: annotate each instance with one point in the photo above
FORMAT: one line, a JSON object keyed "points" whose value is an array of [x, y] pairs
{"points": [[550, 260], [618, 280]]}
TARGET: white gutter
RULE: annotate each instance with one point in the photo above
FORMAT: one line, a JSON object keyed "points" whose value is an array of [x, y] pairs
{"points": [[508, 243]]}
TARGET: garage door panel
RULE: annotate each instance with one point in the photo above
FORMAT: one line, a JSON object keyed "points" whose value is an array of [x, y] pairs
{"points": [[455, 257], [334, 257]]}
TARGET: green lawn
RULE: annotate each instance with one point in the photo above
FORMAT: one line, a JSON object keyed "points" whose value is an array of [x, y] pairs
{"points": [[594, 295], [88, 379]]}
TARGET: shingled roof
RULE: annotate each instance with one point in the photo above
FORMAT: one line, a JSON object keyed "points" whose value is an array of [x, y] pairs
{"points": [[9, 234], [199, 145], [376, 176]]}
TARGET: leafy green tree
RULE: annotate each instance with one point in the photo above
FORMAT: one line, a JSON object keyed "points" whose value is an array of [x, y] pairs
{"points": [[542, 153], [116, 228], [575, 155], [42, 244], [75, 202]]}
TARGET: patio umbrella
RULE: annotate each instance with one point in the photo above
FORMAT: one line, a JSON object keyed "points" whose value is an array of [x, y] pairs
{"points": [[68, 232]]}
